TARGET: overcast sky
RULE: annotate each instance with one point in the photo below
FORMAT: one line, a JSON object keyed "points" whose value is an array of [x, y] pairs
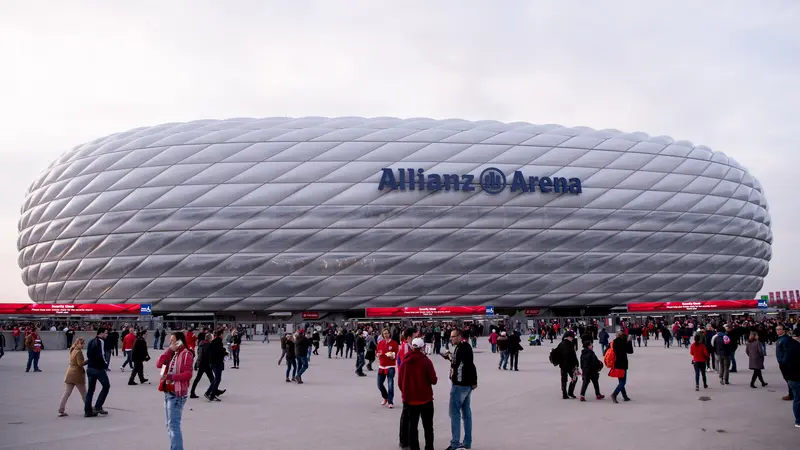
{"points": [[726, 76]]}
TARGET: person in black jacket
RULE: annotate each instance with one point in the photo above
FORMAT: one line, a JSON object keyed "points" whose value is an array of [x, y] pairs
{"points": [[622, 347], [568, 363], [139, 355], [291, 358], [340, 344], [202, 365], [590, 366], [216, 360], [349, 342], [514, 346], [315, 340], [96, 366], [301, 346], [361, 348], [464, 377]]}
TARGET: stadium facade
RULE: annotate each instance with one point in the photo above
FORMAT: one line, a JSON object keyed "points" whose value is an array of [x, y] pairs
{"points": [[337, 214]]}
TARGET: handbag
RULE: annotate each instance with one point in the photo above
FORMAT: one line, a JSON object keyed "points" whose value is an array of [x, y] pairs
{"points": [[616, 373], [167, 385]]}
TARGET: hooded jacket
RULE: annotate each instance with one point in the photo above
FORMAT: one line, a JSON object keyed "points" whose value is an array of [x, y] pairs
{"points": [[590, 364], [568, 359], [416, 376]]}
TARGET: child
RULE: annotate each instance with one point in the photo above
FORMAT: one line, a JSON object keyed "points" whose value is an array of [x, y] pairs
{"points": [[591, 367]]}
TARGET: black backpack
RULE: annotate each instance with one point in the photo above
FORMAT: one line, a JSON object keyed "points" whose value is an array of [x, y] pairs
{"points": [[555, 357]]}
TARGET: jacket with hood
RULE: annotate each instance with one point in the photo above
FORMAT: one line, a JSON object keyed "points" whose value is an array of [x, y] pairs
{"points": [[568, 360], [590, 363], [202, 354], [416, 376]]}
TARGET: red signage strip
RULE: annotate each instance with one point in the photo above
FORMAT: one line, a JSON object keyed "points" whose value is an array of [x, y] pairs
{"points": [[430, 311], [532, 311], [310, 315], [104, 309], [721, 305]]}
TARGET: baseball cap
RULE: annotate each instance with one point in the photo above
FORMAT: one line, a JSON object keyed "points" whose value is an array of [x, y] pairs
{"points": [[417, 343]]}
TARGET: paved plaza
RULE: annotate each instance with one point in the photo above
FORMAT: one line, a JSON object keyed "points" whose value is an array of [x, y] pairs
{"points": [[334, 409]]}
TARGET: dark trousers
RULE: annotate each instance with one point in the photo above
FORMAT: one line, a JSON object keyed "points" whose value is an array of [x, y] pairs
{"points": [[414, 412], [216, 370], [404, 426], [700, 370], [757, 375], [33, 358], [200, 372], [595, 380], [339, 351], [235, 357], [330, 351], [349, 352], [360, 362], [69, 341], [93, 376], [514, 360], [573, 381], [138, 369]]}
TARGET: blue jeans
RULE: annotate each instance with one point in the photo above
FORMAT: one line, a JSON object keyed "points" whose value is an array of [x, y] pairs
{"points": [[94, 375], [459, 407], [173, 409], [503, 359], [302, 365], [128, 360], [291, 364], [330, 350], [216, 370], [494, 348], [155, 344], [795, 387], [33, 357], [389, 396], [360, 362], [621, 387]]}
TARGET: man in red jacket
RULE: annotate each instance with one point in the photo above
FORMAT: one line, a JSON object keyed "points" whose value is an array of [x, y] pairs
{"points": [[127, 348], [387, 362], [415, 379]]}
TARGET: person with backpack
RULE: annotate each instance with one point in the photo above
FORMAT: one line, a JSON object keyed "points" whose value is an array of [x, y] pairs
{"points": [[722, 346], [616, 359], [590, 366], [565, 358]]}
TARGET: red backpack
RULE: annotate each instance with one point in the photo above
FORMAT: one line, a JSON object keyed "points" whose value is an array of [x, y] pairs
{"points": [[610, 358]]}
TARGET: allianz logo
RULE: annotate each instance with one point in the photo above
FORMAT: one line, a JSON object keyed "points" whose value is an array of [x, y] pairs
{"points": [[492, 181]]}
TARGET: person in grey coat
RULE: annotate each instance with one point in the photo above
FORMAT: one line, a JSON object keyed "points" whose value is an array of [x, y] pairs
{"points": [[755, 352]]}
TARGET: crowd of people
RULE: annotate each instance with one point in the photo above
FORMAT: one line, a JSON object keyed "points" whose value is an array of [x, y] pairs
{"points": [[403, 355]]}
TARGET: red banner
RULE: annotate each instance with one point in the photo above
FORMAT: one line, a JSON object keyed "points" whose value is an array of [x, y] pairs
{"points": [[532, 312], [791, 296], [772, 298], [428, 311], [103, 309], [310, 315], [721, 305]]}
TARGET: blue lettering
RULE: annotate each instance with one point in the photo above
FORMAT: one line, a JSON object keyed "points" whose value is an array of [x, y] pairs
{"points": [[434, 182], [421, 178], [387, 180], [401, 179], [533, 181], [560, 184], [518, 183], [467, 185], [545, 184], [575, 186], [451, 179]]}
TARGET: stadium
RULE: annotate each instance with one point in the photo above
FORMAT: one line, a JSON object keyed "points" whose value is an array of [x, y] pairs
{"points": [[341, 214]]}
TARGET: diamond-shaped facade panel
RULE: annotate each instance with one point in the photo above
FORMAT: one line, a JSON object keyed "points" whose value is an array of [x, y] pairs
{"points": [[288, 213]]}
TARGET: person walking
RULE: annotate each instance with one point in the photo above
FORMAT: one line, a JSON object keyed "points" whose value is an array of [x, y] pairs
{"points": [[216, 360], [602, 338], [781, 347], [302, 347], [70, 333], [789, 362], [502, 347], [464, 378], [387, 362], [370, 355], [291, 358], [139, 355], [162, 338], [416, 377], [127, 348], [361, 347], [315, 342], [16, 334], [493, 340], [201, 364], [176, 373], [349, 342], [33, 344], [236, 346], [755, 354], [340, 344], [514, 347], [722, 346], [700, 357], [590, 366], [75, 376], [568, 364], [156, 335], [621, 348], [330, 339], [96, 368]]}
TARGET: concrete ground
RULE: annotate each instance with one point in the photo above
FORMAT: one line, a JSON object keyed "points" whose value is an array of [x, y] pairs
{"points": [[334, 409]]}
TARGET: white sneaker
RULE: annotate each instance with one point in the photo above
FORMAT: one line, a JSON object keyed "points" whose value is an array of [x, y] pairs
{"points": [[384, 403]]}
